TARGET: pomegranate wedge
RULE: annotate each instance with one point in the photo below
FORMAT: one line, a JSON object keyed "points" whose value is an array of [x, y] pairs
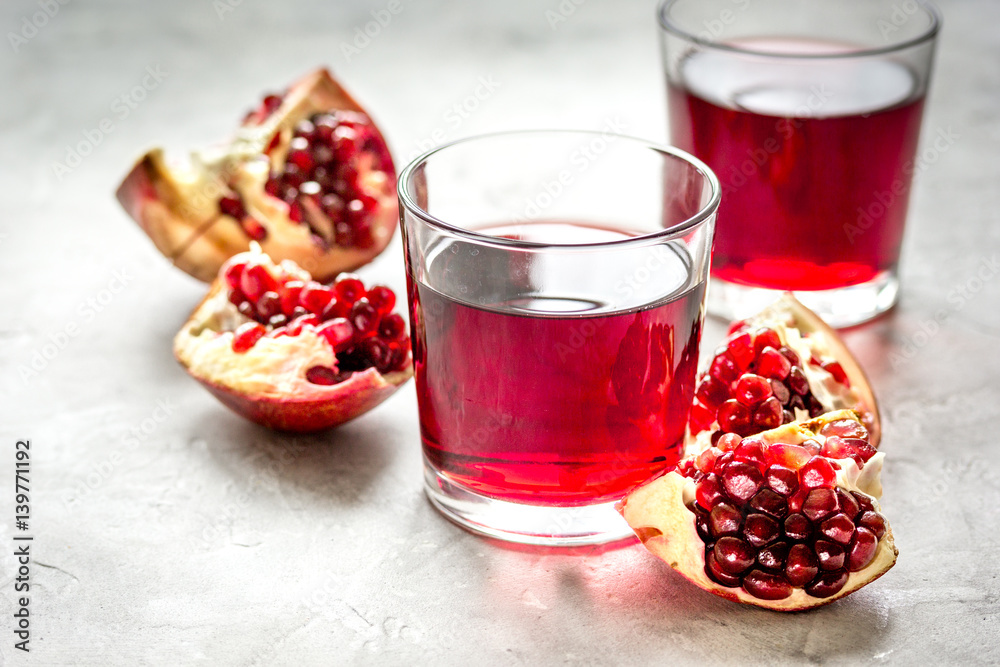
{"points": [[787, 519], [291, 353], [307, 175], [783, 364]]}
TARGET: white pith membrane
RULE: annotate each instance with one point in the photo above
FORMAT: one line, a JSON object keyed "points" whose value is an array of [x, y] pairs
{"points": [[274, 367], [660, 514], [183, 218]]}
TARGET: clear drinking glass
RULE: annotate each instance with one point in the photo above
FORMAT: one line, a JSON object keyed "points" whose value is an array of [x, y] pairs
{"points": [[809, 114], [556, 291]]}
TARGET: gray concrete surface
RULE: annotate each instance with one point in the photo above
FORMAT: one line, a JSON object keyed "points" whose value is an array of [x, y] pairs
{"points": [[168, 531]]}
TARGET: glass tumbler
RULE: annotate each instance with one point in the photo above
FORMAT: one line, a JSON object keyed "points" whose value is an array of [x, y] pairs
{"points": [[809, 113], [556, 291]]}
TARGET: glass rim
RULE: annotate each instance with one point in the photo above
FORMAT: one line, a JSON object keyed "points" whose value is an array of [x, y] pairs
{"points": [[704, 212], [927, 35]]}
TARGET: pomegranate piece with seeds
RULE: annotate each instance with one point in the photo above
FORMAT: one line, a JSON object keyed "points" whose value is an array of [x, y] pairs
{"points": [[783, 365], [281, 349], [756, 524], [308, 175]]}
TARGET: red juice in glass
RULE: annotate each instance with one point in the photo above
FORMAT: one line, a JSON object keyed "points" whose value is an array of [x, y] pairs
{"points": [[555, 401], [815, 162]]}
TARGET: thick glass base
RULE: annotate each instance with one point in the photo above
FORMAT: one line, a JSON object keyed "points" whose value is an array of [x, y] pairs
{"points": [[842, 307], [521, 523]]}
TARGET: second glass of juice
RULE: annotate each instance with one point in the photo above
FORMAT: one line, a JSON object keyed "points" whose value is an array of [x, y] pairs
{"points": [[809, 113], [556, 290]]}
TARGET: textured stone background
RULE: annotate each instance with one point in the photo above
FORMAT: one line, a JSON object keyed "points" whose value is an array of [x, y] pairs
{"points": [[210, 541]]}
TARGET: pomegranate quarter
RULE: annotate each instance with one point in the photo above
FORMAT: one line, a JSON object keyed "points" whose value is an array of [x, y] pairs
{"points": [[307, 175], [291, 353], [782, 365], [787, 519]]}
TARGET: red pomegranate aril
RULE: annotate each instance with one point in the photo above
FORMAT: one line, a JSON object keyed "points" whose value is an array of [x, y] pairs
{"points": [[392, 327], [315, 298], [382, 299], [861, 448], [848, 505], [734, 417], [873, 522], [865, 502], [321, 375], [278, 321], [791, 355], [701, 417], [768, 415], [338, 333], [715, 571], [290, 293], [763, 338], [741, 480], [701, 526], [780, 391], [760, 530], [349, 288], [741, 349], [232, 276], [236, 297], [862, 549], [751, 389], [837, 371], [299, 155], [247, 335], [232, 207], [724, 519], [749, 451], [797, 381], [705, 461], [817, 473], [792, 456], [838, 528], [782, 480], [712, 392], [256, 280], [724, 369], [797, 527], [773, 364], [812, 447], [378, 354], [801, 566], [253, 228], [364, 317], [829, 554], [708, 492], [820, 503], [766, 586], [728, 442], [296, 325], [733, 555], [774, 556], [268, 305], [827, 584], [769, 502], [247, 310]]}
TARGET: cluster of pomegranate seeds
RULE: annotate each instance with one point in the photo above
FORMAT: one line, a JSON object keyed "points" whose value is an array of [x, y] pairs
{"points": [[321, 181], [233, 206], [755, 383], [358, 323], [772, 518]]}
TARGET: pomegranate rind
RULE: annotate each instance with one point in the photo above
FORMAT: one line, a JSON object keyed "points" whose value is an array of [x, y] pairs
{"points": [[267, 384], [658, 514], [176, 202], [823, 339]]}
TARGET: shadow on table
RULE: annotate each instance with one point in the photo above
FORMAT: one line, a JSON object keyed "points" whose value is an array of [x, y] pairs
{"points": [[337, 465]]}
